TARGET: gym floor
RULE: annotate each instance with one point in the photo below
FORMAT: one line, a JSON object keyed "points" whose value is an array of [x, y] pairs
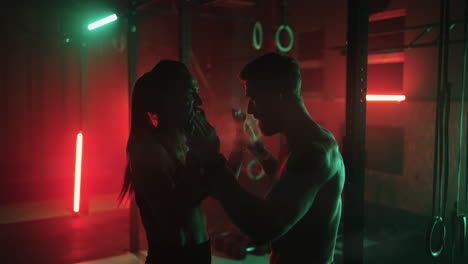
{"points": [[44, 232]]}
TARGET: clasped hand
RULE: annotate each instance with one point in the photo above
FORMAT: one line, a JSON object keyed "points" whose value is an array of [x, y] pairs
{"points": [[203, 139]]}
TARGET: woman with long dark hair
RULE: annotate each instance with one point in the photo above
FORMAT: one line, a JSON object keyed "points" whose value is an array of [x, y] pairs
{"points": [[169, 136]]}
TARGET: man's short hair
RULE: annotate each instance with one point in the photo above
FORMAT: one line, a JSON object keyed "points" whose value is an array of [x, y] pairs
{"points": [[275, 71]]}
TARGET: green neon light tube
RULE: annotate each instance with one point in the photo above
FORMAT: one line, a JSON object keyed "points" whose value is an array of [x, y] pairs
{"points": [[102, 22]]}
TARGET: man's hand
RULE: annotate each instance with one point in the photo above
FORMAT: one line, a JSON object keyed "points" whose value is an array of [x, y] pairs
{"points": [[245, 134]]}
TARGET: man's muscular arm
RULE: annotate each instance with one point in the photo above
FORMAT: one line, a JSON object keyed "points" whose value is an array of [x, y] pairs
{"points": [[246, 139], [269, 162], [290, 199], [242, 143]]}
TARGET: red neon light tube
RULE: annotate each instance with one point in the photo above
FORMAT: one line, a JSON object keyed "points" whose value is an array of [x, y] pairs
{"points": [[78, 160], [385, 98]]}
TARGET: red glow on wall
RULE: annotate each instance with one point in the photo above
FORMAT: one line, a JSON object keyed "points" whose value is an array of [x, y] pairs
{"points": [[77, 185], [388, 15], [384, 58], [385, 98]]}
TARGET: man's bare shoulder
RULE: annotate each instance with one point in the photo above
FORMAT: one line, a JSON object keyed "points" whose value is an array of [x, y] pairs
{"points": [[307, 155], [315, 158]]}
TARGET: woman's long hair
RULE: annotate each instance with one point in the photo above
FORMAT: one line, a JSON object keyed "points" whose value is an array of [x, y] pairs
{"points": [[148, 94]]}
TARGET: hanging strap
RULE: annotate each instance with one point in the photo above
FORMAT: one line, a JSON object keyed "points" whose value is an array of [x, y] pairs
{"points": [[441, 148], [459, 222]]}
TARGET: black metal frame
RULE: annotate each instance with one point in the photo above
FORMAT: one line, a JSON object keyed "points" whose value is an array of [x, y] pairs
{"points": [[354, 141], [413, 44], [132, 66], [83, 51], [185, 32]]}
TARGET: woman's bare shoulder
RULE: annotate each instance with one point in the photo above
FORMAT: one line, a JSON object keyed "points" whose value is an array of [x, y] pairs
{"points": [[148, 149]]}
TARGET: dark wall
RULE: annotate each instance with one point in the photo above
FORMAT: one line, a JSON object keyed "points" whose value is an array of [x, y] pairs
{"points": [[40, 95]]}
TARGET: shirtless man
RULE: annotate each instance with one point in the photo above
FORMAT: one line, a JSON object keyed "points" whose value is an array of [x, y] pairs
{"points": [[168, 138], [301, 213]]}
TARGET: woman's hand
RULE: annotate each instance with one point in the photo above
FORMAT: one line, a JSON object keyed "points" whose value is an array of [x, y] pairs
{"points": [[218, 175], [203, 138]]}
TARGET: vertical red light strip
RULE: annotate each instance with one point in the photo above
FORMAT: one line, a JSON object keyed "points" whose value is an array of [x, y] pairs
{"points": [[78, 159]]}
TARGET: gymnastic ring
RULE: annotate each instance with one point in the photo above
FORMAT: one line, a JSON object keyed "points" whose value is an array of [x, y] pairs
{"points": [[291, 38], [429, 237], [460, 233], [257, 41], [249, 171]]}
